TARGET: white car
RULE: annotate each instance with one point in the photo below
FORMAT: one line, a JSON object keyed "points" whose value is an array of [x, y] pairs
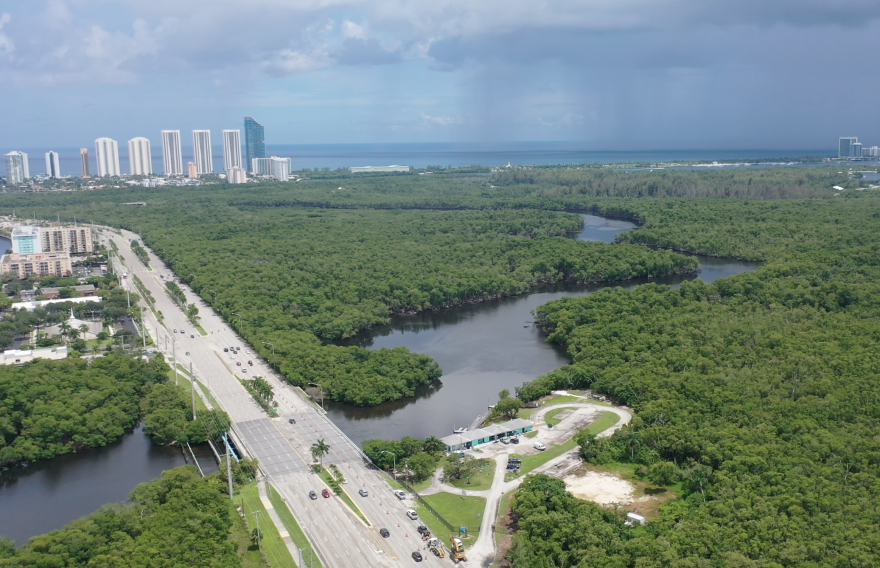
{"points": [[412, 514], [399, 494], [540, 446]]}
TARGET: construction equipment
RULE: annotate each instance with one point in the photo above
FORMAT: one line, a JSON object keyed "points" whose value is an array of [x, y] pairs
{"points": [[435, 547], [456, 549]]}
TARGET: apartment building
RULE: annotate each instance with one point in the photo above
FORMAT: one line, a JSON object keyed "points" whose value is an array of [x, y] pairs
{"points": [[42, 264], [75, 240]]}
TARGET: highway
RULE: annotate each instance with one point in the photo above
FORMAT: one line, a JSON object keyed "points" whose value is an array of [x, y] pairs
{"points": [[340, 537]]}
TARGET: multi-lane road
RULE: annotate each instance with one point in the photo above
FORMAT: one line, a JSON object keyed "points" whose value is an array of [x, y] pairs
{"points": [[340, 537]]}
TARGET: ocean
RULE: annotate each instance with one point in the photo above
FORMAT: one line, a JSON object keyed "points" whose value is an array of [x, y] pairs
{"points": [[420, 155]]}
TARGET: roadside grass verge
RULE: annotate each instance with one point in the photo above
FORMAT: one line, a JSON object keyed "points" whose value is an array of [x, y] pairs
{"points": [[186, 385], [481, 479], [274, 549], [458, 510], [526, 413], [248, 553], [293, 528], [328, 479], [201, 330]]}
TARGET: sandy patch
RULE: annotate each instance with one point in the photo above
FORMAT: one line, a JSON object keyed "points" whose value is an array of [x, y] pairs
{"points": [[602, 488]]}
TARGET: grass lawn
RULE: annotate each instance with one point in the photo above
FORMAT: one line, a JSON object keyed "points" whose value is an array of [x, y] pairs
{"points": [[273, 547], [247, 552], [296, 533], [550, 417], [458, 510], [201, 330], [325, 475], [481, 479], [605, 421]]}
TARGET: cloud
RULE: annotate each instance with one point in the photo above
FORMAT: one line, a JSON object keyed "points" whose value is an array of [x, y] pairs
{"points": [[440, 120], [356, 51], [5, 42], [351, 29]]}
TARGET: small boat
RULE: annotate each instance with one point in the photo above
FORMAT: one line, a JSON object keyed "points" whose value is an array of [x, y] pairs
{"points": [[459, 430]]}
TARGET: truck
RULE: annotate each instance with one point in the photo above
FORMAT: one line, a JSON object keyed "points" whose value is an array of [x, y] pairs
{"points": [[435, 547], [456, 549]]}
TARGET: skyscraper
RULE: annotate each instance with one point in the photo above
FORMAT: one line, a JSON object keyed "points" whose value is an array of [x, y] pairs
{"points": [[140, 157], [107, 156], [845, 146], [231, 149], [84, 158], [17, 169], [202, 155], [53, 170], [255, 145], [172, 158]]}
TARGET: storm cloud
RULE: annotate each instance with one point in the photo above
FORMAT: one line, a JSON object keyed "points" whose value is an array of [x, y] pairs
{"points": [[614, 74]]}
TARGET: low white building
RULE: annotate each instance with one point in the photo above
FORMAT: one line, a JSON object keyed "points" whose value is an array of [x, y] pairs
{"points": [[22, 356], [236, 175], [367, 169]]}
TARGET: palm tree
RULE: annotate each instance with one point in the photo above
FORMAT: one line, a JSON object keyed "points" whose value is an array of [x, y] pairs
{"points": [[65, 329], [433, 445], [319, 450]]}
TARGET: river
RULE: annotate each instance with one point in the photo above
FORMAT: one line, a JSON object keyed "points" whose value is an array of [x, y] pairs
{"points": [[482, 349], [49, 494]]}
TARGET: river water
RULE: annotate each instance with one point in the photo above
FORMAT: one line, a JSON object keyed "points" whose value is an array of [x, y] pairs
{"points": [[482, 349]]}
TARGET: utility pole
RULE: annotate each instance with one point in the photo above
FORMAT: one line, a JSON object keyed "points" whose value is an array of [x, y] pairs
{"points": [[144, 331], [300, 563], [259, 534], [192, 384], [228, 464], [174, 356]]}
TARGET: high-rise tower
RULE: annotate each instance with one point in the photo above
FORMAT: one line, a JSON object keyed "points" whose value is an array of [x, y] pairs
{"points": [[255, 144], [845, 146], [17, 169], [107, 156], [140, 157], [231, 149], [172, 157], [84, 158], [53, 170], [202, 155]]}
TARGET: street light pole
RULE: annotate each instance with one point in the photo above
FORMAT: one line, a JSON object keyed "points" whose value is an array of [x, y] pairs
{"points": [[394, 461]]}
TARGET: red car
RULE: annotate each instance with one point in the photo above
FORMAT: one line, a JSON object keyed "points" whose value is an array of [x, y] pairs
{"points": [[325, 493], [238, 363]]}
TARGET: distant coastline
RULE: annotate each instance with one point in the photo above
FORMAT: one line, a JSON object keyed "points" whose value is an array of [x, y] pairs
{"points": [[420, 155]]}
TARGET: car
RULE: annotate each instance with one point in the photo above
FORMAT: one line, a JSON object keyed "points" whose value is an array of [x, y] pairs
{"points": [[384, 533], [232, 356], [292, 420], [505, 441], [363, 492], [325, 493], [313, 495], [238, 363], [183, 332], [226, 349], [238, 348], [412, 514], [514, 440], [244, 370], [399, 494], [539, 446], [423, 529], [251, 363], [248, 351], [192, 336], [417, 556]]}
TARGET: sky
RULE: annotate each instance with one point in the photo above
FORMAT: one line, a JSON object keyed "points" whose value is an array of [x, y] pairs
{"points": [[610, 74]]}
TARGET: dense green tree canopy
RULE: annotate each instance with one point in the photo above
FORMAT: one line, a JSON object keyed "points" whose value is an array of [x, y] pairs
{"points": [[48, 408], [175, 521]]}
